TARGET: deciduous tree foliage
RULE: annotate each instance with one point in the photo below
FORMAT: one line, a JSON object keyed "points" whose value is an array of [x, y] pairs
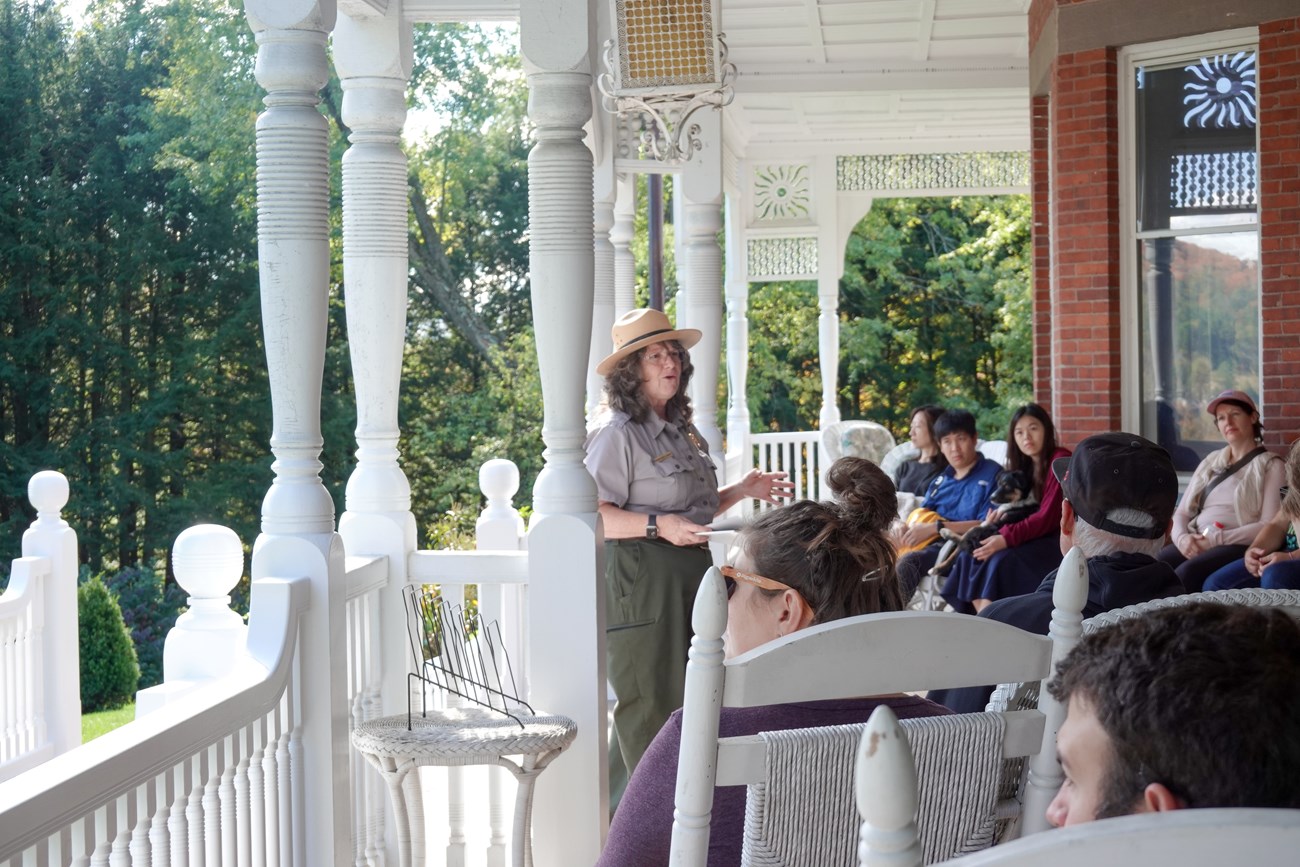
{"points": [[131, 355], [934, 308]]}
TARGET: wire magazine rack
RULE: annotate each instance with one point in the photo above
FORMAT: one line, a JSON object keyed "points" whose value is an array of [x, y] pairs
{"points": [[456, 652]]}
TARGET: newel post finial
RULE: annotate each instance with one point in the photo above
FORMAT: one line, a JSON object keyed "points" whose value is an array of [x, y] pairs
{"points": [[207, 639]]}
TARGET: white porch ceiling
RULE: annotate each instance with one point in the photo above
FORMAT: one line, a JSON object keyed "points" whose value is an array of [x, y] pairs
{"points": [[851, 77], [877, 76]]}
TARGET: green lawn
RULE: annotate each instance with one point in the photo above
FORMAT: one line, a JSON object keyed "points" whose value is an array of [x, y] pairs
{"points": [[101, 722]]}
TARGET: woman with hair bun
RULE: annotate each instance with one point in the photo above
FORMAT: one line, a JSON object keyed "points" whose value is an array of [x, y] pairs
{"points": [[807, 563]]}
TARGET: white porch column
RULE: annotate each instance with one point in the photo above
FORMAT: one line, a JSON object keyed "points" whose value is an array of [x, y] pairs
{"points": [[298, 536], [566, 605], [737, 288], [602, 319], [698, 219], [830, 267], [373, 59], [621, 237]]}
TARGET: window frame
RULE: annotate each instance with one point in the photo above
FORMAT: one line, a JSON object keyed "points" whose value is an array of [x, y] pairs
{"points": [[1128, 60]]}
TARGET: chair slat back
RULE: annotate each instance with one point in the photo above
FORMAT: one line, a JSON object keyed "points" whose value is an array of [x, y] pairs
{"points": [[904, 651]]}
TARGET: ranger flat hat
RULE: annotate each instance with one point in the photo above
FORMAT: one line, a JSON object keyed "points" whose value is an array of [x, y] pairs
{"points": [[639, 328]]}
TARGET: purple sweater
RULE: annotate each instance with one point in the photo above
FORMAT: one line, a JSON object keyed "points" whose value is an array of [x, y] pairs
{"points": [[642, 828]]}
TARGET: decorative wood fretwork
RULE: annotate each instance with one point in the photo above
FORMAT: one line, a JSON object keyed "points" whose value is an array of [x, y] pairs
{"points": [[921, 172]]}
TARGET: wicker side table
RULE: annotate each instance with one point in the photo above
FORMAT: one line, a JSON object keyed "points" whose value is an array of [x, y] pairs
{"points": [[463, 736]]}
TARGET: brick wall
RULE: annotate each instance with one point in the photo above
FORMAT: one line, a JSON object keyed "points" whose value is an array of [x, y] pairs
{"points": [[1084, 245], [1040, 153], [1076, 236], [1279, 156]]}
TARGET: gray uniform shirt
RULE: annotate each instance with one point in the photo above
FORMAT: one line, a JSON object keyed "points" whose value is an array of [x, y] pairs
{"points": [[652, 467]]}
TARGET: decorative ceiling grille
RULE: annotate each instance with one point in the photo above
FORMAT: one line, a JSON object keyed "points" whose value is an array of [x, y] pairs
{"points": [[781, 257], [932, 171], [1228, 180]]}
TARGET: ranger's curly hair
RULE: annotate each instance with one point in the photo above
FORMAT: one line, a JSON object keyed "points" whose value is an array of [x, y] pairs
{"points": [[623, 391]]}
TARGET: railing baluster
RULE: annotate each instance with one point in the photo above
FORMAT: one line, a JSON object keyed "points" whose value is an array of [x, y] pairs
{"points": [[211, 809], [229, 823], [243, 815], [284, 785], [160, 845], [100, 832], [139, 852], [271, 795], [178, 826], [455, 817], [257, 830], [194, 812]]}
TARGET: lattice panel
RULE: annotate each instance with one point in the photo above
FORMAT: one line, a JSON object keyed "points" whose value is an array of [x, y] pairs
{"points": [[917, 172], [1227, 181], [664, 43], [781, 257], [782, 193]]}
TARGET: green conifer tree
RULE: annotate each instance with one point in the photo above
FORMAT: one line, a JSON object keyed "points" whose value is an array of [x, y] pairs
{"points": [[109, 671]]}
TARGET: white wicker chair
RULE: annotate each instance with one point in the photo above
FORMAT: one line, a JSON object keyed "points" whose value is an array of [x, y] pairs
{"points": [[895, 456], [910, 651], [857, 438]]}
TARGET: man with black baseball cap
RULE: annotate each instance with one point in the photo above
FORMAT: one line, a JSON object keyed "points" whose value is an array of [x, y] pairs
{"points": [[1120, 491]]}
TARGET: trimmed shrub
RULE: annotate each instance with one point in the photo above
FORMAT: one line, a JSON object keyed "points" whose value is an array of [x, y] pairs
{"points": [[149, 608], [109, 671]]}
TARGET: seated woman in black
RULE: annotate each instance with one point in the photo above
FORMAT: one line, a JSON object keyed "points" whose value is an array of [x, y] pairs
{"points": [[913, 475]]}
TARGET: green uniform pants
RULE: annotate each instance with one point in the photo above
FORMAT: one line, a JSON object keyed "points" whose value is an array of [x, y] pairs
{"points": [[649, 592]]}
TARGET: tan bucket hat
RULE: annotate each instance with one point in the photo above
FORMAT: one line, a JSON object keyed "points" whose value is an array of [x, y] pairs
{"points": [[638, 328]]}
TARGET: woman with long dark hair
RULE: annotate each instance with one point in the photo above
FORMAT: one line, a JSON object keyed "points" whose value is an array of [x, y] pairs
{"points": [[1016, 558]]}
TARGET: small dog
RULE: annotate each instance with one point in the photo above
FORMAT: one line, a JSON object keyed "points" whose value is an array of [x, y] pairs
{"points": [[1013, 494]]}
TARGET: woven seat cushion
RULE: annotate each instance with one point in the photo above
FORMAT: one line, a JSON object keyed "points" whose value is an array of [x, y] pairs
{"points": [[804, 815]]}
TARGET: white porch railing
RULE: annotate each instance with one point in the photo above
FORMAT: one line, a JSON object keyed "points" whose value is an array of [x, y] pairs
{"points": [[799, 454], [212, 778], [40, 702], [215, 774]]}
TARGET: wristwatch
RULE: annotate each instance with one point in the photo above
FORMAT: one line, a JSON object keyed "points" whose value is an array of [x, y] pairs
{"points": [[938, 527], [651, 528]]}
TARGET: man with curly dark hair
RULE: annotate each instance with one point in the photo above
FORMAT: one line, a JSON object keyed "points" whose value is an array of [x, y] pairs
{"points": [[1190, 706]]}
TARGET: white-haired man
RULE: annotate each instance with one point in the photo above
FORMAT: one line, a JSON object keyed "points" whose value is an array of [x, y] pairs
{"points": [[1120, 490]]}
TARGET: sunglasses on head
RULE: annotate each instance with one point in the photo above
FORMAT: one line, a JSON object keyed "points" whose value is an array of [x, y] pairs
{"points": [[731, 575]]}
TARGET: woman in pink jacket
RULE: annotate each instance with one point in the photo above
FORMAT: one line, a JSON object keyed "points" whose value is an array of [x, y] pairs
{"points": [[1015, 560]]}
